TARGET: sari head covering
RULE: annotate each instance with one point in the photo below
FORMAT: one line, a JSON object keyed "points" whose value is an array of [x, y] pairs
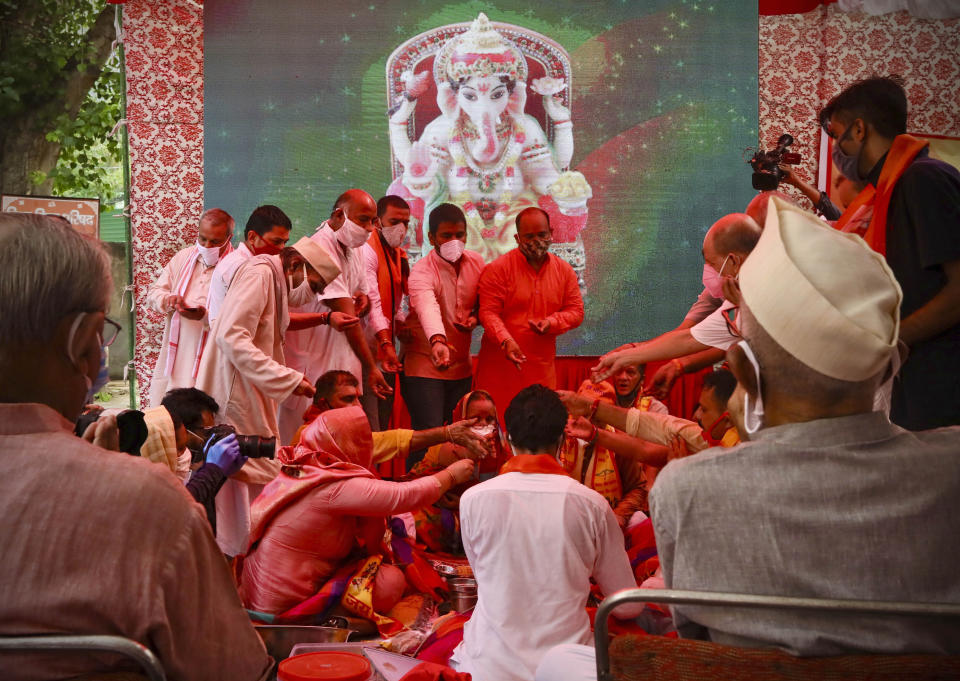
{"points": [[501, 450], [336, 446]]}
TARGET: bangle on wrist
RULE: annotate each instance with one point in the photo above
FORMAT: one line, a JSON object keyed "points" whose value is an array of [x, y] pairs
{"points": [[386, 341], [679, 365], [446, 434], [593, 409], [593, 438], [503, 343], [437, 339]]}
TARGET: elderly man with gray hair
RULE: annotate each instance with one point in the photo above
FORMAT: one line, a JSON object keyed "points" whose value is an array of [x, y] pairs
{"points": [[94, 542], [826, 498], [180, 293]]}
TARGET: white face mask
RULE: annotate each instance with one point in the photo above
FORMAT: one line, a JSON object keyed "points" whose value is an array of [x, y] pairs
{"points": [[394, 234], [209, 255], [452, 250], [302, 294], [351, 234], [483, 431], [752, 413]]}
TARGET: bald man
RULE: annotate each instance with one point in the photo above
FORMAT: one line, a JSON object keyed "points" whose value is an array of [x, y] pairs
{"points": [[726, 246], [706, 303], [317, 350]]}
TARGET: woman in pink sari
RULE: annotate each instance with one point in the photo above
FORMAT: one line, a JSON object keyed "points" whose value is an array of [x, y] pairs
{"points": [[324, 506]]}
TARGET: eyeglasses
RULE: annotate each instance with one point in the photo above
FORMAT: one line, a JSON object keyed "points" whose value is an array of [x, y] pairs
{"points": [[110, 331], [728, 317]]}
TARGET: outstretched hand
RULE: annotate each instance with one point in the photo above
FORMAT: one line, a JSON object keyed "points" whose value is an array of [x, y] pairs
{"points": [[661, 383], [576, 404], [342, 320], [610, 364], [579, 428], [461, 434]]}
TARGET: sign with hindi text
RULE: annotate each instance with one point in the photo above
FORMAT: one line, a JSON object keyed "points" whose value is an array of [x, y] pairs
{"points": [[83, 214]]}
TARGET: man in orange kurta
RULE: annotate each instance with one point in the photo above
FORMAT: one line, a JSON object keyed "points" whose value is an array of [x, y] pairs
{"points": [[528, 297]]}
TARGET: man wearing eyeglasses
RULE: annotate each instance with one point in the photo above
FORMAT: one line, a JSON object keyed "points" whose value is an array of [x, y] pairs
{"points": [[94, 542], [180, 293], [726, 246]]}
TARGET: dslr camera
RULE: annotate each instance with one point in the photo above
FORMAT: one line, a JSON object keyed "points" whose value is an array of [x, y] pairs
{"points": [[132, 428], [766, 164], [251, 446]]}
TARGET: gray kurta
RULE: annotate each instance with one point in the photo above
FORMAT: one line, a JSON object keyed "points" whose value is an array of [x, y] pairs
{"points": [[850, 507]]}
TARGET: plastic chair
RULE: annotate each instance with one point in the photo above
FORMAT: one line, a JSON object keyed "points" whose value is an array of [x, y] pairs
{"points": [[55, 643], [692, 659]]}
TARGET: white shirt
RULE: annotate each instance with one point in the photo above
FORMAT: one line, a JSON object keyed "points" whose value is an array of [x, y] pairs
{"points": [[702, 307], [374, 322], [222, 276], [713, 330], [533, 541]]}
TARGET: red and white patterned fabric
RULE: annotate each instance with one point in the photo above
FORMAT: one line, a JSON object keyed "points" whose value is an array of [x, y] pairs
{"points": [[805, 59], [163, 42]]}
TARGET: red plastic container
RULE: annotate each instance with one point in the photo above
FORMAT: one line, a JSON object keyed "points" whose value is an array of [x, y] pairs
{"points": [[332, 666]]}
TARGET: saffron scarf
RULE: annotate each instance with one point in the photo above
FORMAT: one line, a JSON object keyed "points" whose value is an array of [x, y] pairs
{"points": [[595, 466], [533, 463], [392, 274], [867, 214]]}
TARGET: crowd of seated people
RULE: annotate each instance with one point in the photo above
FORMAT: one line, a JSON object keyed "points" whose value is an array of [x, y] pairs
{"points": [[788, 478]]}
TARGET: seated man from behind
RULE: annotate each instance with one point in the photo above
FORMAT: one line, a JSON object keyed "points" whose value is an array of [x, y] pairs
{"points": [[94, 542], [534, 537], [827, 498]]}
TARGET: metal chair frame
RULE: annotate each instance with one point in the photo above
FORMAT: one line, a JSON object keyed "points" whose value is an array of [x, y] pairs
{"points": [[711, 598], [126, 647]]}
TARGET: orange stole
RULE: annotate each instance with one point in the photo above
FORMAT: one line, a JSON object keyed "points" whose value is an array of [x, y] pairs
{"points": [[904, 149], [392, 276], [533, 463]]}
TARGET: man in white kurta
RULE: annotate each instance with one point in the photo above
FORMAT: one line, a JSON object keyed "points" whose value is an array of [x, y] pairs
{"points": [[180, 293], [266, 233], [534, 536], [244, 369], [315, 351]]}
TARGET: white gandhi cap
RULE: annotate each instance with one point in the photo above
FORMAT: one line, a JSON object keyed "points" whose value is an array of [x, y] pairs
{"points": [[824, 296], [318, 258]]}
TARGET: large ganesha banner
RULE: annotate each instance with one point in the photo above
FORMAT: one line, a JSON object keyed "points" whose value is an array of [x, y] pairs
{"points": [[625, 121], [476, 145]]}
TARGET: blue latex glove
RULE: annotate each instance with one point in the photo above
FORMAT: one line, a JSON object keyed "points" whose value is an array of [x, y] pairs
{"points": [[225, 454]]}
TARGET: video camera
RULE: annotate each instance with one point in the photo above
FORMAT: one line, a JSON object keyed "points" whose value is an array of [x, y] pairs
{"points": [[766, 164], [251, 446]]}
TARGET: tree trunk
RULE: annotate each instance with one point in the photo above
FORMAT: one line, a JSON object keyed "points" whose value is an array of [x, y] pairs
{"points": [[24, 148]]}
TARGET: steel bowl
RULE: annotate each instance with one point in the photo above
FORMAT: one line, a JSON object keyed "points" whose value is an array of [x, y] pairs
{"points": [[280, 639]]}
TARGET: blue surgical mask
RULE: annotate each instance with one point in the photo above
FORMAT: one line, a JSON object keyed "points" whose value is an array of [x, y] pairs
{"points": [[102, 376], [94, 386], [847, 164]]}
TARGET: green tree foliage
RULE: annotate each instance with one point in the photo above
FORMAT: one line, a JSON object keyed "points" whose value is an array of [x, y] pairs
{"points": [[59, 97]]}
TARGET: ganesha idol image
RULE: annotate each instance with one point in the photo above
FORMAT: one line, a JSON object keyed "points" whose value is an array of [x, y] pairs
{"points": [[479, 146]]}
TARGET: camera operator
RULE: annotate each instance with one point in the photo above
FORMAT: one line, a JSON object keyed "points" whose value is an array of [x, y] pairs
{"points": [[821, 202], [93, 542], [192, 411]]}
